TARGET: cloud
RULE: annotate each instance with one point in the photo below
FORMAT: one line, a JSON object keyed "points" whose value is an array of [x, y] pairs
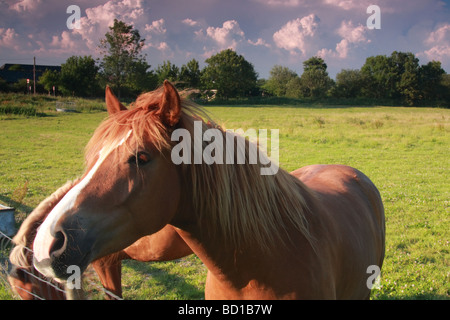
{"points": [[347, 4], [259, 42], [94, 24], [351, 35], [227, 36], [157, 27], [25, 5], [438, 53], [97, 20], [438, 43], [62, 44], [190, 22], [155, 36], [281, 3], [9, 38], [163, 46], [442, 34], [293, 35]]}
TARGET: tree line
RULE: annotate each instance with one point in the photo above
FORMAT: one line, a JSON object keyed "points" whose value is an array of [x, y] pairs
{"points": [[228, 75], [397, 77], [123, 67]]}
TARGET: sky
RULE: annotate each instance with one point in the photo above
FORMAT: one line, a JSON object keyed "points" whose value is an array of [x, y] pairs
{"points": [[265, 32]]}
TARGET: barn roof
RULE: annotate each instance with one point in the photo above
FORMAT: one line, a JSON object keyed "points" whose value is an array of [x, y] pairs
{"points": [[14, 72]]}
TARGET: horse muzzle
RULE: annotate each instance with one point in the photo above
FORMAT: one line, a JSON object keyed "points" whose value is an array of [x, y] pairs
{"points": [[60, 252]]}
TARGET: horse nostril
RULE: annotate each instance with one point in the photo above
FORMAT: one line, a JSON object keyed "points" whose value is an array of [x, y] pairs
{"points": [[58, 245]]}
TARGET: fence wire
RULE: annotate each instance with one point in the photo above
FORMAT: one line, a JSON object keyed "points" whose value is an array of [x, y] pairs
{"points": [[5, 243]]}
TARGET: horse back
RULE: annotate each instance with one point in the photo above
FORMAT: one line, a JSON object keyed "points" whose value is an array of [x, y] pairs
{"points": [[349, 226]]}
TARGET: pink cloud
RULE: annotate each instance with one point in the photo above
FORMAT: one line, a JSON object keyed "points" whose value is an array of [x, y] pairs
{"points": [[63, 44], [155, 36], [386, 6], [293, 36], [281, 3], [259, 42], [157, 27], [25, 5], [227, 36], [442, 34], [94, 24], [9, 38], [190, 22], [438, 43], [98, 19], [351, 35], [347, 4]]}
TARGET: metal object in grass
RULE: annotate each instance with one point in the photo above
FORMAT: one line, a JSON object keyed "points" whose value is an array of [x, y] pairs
{"points": [[7, 222], [66, 106]]}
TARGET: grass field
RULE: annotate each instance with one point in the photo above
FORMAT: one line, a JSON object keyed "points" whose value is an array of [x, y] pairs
{"points": [[405, 151]]}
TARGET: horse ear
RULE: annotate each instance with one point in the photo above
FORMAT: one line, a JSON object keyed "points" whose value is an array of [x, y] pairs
{"points": [[113, 104], [170, 105]]}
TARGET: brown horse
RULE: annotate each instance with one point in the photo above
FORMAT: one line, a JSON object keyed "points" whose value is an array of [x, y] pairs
{"points": [[260, 236], [29, 284]]}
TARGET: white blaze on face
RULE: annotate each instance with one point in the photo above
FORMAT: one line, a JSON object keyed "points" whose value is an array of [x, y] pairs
{"points": [[44, 239]]}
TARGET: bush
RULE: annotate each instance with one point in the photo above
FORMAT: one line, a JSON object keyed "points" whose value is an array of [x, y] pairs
{"points": [[18, 110]]}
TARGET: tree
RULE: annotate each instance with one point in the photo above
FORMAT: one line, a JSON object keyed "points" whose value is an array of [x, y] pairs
{"points": [[445, 93], [430, 80], [277, 84], [315, 81], [79, 76], [405, 73], [3, 85], [230, 74], [294, 88], [142, 79], [121, 47], [167, 71], [349, 84], [376, 71], [190, 74], [314, 63], [49, 79], [394, 77]]}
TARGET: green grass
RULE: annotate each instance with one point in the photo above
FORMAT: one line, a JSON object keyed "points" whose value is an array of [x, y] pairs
{"points": [[13, 104], [403, 150]]}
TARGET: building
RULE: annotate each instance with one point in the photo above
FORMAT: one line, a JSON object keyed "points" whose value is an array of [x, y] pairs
{"points": [[12, 73]]}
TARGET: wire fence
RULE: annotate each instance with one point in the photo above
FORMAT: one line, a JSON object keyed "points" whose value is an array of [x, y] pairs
{"points": [[5, 265], [66, 106]]}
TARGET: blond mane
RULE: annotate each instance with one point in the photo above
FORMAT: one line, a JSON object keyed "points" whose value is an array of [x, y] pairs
{"points": [[235, 201], [243, 206]]}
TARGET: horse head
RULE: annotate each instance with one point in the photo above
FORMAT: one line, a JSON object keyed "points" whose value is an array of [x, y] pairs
{"points": [[130, 189]]}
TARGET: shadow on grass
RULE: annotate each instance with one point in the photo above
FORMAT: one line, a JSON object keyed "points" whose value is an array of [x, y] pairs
{"points": [[17, 205], [172, 284]]}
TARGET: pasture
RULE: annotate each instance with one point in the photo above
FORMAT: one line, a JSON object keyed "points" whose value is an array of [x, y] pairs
{"points": [[405, 151]]}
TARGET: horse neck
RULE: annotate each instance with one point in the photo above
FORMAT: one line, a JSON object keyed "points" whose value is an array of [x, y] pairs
{"points": [[222, 256], [232, 217], [234, 273]]}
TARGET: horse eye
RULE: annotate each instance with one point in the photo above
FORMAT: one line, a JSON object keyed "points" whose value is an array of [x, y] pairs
{"points": [[141, 158]]}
